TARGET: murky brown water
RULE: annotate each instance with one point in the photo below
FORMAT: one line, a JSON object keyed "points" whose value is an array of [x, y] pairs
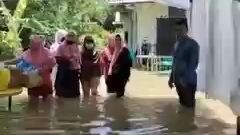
{"points": [[103, 116]]}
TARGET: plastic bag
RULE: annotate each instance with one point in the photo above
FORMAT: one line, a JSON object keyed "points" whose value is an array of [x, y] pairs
{"points": [[26, 67]]}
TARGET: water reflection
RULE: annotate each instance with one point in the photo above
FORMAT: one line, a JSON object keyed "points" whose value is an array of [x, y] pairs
{"points": [[37, 115], [116, 112], [102, 116], [177, 118]]}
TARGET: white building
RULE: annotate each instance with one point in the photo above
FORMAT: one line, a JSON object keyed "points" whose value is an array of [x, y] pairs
{"points": [[140, 18], [215, 25]]}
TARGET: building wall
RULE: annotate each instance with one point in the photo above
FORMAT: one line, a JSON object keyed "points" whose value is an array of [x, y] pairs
{"points": [[174, 12], [129, 21], [147, 14], [126, 18]]}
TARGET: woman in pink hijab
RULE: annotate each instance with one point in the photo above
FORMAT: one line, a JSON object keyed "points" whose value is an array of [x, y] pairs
{"points": [[41, 58], [106, 60], [119, 69]]}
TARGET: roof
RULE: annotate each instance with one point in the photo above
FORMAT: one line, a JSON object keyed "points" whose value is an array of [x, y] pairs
{"points": [[128, 1], [184, 4]]}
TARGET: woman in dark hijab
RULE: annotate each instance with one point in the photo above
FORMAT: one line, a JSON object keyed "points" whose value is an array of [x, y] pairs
{"points": [[119, 70], [90, 67]]}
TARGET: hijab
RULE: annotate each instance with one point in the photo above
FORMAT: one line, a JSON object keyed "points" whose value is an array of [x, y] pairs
{"points": [[70, 50], [59, 36], [119, 45], [37, 54], [109, 50]]}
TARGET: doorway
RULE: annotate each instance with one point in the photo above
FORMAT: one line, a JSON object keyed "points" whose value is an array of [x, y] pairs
{"points": [[166, 35]]}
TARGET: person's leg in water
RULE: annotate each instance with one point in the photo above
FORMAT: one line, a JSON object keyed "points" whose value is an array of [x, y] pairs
{"points": [[110, 84], [47, 97], [180, 90], [86, 88], [94, 85], [189, 96], [121, 88], [186, 95]]}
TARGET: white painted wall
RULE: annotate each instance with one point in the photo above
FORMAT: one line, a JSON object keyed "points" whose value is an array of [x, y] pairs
{"points": [[147, 14], [127, 26]]}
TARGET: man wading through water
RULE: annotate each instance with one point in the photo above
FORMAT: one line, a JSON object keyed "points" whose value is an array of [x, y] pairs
{"points": [[185, 62]]}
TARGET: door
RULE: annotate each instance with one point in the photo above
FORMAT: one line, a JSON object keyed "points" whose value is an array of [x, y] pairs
{"points": [[166, 35]]}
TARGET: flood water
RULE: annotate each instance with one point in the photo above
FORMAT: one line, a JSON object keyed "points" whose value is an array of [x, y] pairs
{"points": [[108, 115]]}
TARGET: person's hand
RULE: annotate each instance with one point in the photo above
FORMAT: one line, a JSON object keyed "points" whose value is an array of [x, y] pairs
{"points": [[170, 84]]}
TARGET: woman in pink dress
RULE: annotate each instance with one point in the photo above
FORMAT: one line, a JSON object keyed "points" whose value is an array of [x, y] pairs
{"points": [[106, 60], [40, 57]]}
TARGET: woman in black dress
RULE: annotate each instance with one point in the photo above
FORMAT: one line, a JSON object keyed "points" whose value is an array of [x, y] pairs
{"points": [[68, 59], [120, 67]]}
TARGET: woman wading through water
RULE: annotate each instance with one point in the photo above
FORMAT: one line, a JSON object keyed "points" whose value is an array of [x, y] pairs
{"points": [[120, 67]]}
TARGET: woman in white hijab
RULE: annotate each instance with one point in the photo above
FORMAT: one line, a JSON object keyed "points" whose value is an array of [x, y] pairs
{"points": [[59, 38]]}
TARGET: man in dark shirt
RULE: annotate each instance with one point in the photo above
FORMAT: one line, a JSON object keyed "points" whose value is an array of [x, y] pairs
{"points": [[185, 63]]}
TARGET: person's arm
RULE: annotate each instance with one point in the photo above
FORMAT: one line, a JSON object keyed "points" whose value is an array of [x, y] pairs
{"points": [[193, 57], [104, 60], [130, 60], [48, 66], [127, 60], [60, 59]]}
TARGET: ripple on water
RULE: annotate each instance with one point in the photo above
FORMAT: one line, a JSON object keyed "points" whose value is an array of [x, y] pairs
{"points": [[100, 116]]}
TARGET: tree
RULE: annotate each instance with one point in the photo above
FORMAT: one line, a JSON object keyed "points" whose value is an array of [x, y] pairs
{"points": [[80, 16], [9, 32], [46, 16]]}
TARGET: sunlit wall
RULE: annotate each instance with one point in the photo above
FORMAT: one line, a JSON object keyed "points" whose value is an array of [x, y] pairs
{"points": [[214, 26]]}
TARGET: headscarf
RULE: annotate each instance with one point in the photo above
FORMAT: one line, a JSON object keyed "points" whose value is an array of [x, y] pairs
{"points": [[111, 44], [70, 52], [60, 34], [107, 54], [37, 54], [108, 51], [117, 51]]}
